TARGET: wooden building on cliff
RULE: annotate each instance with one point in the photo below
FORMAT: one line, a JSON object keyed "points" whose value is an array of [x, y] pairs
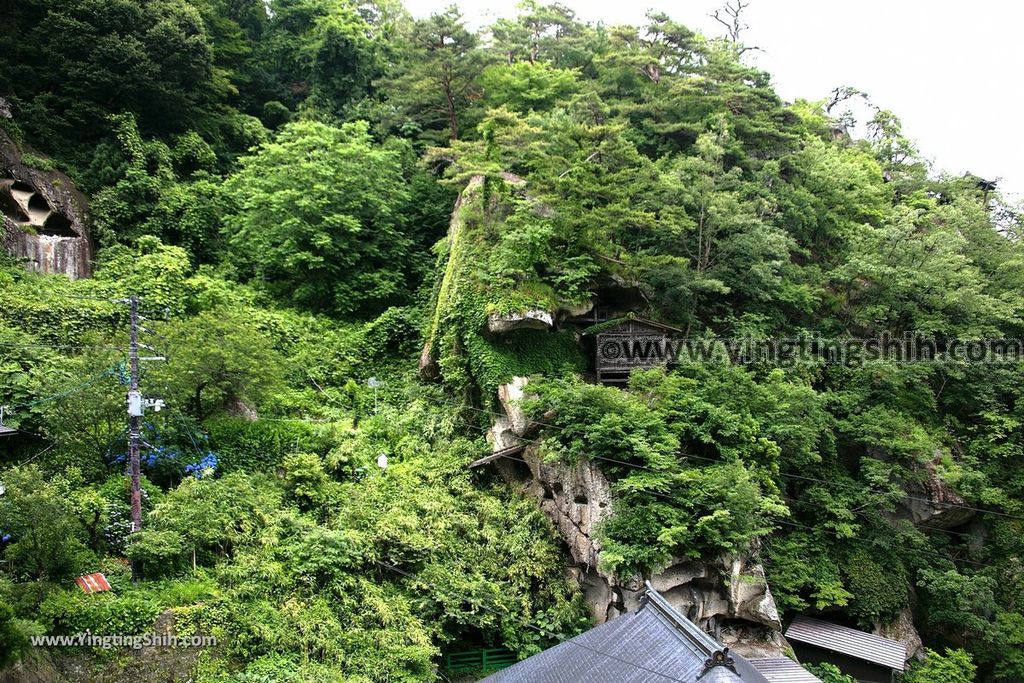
{"points": [[621, 346]]}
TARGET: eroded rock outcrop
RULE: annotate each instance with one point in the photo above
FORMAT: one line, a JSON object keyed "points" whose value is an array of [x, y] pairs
{"points": [[429, 366], [168, 664], [511, 396], [901, 629], [931, 501], [526, 320], [727, 596], [44, 216], [728, 592]]}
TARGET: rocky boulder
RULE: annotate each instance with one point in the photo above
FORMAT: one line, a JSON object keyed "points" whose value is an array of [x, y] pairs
{"points": [[44, 216], [901, 629], [534, 319], [511, 396], [932, 501]]}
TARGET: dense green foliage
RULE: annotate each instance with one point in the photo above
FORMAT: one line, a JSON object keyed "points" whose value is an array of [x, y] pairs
{"points": [[954, 666], [275, 180], [829, 673], [319, 218]]}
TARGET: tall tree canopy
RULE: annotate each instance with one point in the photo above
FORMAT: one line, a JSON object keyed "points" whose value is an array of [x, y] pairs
{"points": [[318, 218]]}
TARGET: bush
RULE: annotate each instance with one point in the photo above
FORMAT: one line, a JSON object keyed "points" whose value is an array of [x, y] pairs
{"points": [[160, 552], [878, 591], [101, 613], [46, 539], [953, 667], [14, 637], [829, 673], [305, 478], [261, 445]]}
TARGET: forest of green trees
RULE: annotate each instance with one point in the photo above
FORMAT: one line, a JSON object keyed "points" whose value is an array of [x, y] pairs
{"points": [[275, 179]]}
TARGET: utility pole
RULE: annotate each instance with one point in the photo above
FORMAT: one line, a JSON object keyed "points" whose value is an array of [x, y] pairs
{"points": [[136, 407], [134, 413]]}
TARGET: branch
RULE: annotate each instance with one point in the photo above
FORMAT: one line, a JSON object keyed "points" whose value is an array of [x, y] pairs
{"points": [[596, 153], [732, 21], [609, 258], [720, 20]]}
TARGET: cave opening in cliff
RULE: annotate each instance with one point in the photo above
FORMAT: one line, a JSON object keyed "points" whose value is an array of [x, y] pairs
{"points": [[57, 225], [37, 202], [10, 206], [20, 202]]}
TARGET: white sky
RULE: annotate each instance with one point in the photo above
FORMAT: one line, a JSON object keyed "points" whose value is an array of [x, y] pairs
{"points": [[950, 69]]}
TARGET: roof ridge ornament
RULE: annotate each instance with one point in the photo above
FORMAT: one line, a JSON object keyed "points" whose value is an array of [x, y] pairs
{"points": [[719, 658]]}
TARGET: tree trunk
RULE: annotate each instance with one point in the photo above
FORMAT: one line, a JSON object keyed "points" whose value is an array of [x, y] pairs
{"points": [[453, 122], [449, 96]]}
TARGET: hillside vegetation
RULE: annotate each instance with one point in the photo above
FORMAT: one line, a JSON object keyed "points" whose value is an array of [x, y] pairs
{"points": [[276, 181]]}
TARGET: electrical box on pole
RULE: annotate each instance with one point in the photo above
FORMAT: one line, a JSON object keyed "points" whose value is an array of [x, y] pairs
{"points": [[135, 404]]}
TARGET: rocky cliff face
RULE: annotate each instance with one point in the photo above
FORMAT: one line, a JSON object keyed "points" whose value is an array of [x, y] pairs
{"points": [[931, 501], [727, 596], [901, 628], [44, 216], [928, 499]]}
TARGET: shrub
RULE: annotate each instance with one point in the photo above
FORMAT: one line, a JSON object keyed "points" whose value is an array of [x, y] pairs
{"points": [[955, 666], [101, 613], [261, 445]]}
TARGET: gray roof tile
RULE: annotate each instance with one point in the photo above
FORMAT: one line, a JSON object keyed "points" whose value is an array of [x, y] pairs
{"points": [[655, 644]]}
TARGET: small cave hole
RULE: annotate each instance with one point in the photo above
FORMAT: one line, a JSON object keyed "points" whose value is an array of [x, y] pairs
{"points": [[580, 499], [21, 186], [38, 202], [548, 493], [58, 225], [559, 489], [10, 207]]}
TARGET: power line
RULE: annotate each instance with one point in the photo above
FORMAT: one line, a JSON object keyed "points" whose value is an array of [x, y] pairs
{"points": [[780, 521], [874, 542], [188, 430], [902, 495], [118, 300], [64, 394], [104, 347], [891, 524], [713, 461], [785, 474], [38, 453], [839, 536]]}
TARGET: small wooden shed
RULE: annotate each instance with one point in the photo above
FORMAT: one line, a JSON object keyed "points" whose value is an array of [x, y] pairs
{"points": [[627, 344]]}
